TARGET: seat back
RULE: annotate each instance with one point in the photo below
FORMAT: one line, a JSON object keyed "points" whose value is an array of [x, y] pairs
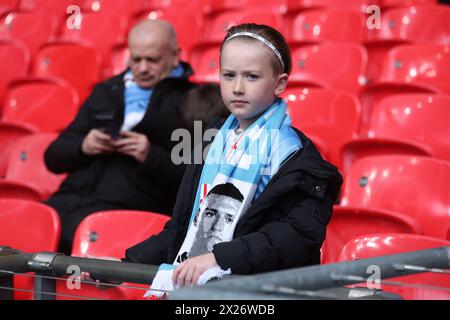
{"points": [[322, 25], [415, 24], [412, 185], [332, 116], [26, 164], [110, 233], [77, 64], [15, 62], [33, 29], [47, 104], [29, 226], [348, 223], [376, 245], [339, 66], [422, 65]]}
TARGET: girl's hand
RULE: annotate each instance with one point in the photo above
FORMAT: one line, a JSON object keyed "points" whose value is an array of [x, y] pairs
{"points": [[188, 272]]}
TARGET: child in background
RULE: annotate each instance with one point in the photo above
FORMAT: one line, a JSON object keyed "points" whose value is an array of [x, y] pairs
{"points": [[263, 197], [204, 104]]}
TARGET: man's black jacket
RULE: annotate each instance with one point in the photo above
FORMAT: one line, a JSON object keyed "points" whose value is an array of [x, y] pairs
{"points": [[116, 178], [284, 227]]}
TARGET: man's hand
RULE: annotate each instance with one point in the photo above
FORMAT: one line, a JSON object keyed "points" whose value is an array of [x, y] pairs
{"points": [[188, 272], [133, 144], [97, 142]]}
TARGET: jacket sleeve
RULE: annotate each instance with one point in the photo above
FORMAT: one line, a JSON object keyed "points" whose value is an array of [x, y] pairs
{"points": [[64, 154], [289, 242], [154, 250], [159, 165]]}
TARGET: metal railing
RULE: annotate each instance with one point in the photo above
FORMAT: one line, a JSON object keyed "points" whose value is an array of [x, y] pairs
{"points": [[319, 282]]}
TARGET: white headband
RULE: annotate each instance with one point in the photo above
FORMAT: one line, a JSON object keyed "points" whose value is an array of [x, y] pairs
{"points": [[258, 37]]}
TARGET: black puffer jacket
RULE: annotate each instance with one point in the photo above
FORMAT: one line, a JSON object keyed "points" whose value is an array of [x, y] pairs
{"points": [[284, 227], [116, 178]]}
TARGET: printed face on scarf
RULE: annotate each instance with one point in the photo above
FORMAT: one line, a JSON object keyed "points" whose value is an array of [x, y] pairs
{"points": [[248, 81], [214, 222]]}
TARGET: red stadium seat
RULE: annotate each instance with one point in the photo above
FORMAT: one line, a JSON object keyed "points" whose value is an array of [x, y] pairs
{"points": [[9, 134], [326, 25], [421, 24], [187, 23], [349, 222], [25, 165], [331, 116], [338, 66], [412, 185], [211, 7], [217, 25], [415, 124], [116, 7], [416, 68], [79, 65], [109, 234], [14, 62], [48, 105], [416, 24], [31, 227], [33, 29], [376, 245], [53, 7], [8, 6], [404, 3], [293, 6], [205, 61], [100, 32]]}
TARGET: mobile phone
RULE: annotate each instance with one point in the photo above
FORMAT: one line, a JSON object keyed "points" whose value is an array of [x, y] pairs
{"points": [[107, 122]]}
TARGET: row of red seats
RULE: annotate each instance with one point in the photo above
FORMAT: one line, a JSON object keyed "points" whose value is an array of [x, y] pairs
{"points": [[406, 68], [106, 35], [109, 233], [103, 234], [409, 124], [411, 186]]}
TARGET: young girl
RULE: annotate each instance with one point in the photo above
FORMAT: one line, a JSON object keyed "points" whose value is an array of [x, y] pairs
{"points": [[263, 197]]}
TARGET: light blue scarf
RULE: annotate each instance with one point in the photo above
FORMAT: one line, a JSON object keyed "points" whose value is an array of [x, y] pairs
{"points": [[235, 167]]}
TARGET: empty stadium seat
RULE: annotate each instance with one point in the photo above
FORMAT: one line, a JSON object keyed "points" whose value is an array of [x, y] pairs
{"points": [[109, 234], [420, 68], [293, 6], [211, 7], [9, 134], [376, 245], [338, 66], [25, 165], [48, 105], [77, 64], [347, 223], [100, 32], [33, 29], [8, 6], [412, 185], [390, 4], [53, 7], [216, 25], [116, 7], [326, 25], [415, 124], [187, 23], [14, 62], [205, 62], [31, 227], [416, 24], [330, 117]]}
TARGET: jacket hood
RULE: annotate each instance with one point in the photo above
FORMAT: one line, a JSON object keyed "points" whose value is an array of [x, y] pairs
{"points": [[313, 172]]}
